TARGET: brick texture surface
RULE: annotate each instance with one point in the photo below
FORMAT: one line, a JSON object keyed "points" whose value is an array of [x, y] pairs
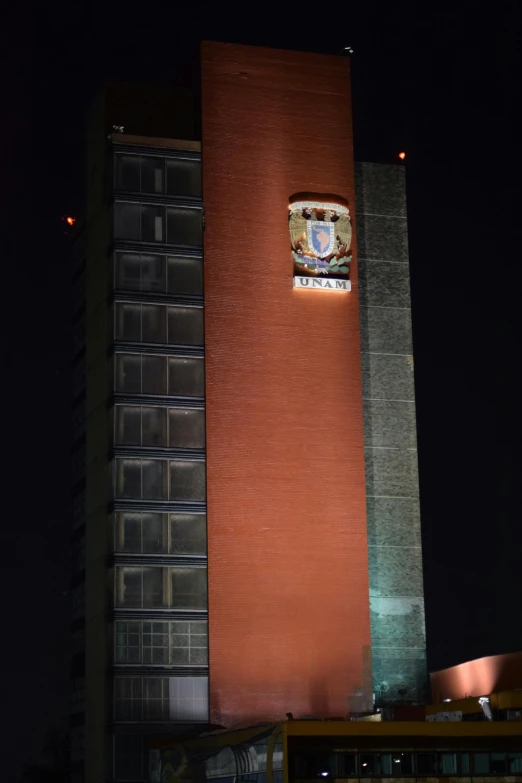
{"points": [[288, 562]]}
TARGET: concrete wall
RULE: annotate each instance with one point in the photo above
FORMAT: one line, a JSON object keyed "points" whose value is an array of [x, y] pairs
{"points": [[288, 581], [394, 540]]}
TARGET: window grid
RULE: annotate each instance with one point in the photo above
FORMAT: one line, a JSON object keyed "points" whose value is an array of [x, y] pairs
{"points": [[159, 426], [159, 479], [183, 588], [158, 223], [156, 174], [158, 273], [160, 698], [153, 374], [174, 642], [158, 323], [143, 532], [401, 764]]}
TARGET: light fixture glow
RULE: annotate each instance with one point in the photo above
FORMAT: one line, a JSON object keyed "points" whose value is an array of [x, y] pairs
{"points": [[71, 221], [402, 155]]}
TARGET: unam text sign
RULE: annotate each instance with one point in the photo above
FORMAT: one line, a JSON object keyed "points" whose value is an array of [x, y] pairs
{"points": [[322, 283]]}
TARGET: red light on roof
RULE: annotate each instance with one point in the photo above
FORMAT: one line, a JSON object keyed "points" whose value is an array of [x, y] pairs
{"points": [[402, 155]]}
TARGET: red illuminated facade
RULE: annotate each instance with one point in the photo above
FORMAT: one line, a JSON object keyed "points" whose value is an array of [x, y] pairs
{"points": [[289, 625]]}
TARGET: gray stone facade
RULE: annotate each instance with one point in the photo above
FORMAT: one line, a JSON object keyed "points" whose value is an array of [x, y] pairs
{"points": [[394, 540]]}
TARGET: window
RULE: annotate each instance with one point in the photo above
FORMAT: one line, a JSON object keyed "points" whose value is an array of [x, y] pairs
{"points": [[137, 425], [150, 532], [188, 588], [498, 764], [141, 587], [127, 221], [127, 173], [149, 587], [396, 764], [161, 375], [149, 323], [184, 276], [161, 698], [154, 272], [481, 763], [157, 223], [187, 480], [447, 763], [514, 763], [142, 479], [152, 174], [184, 226], [370, 765], [426, 764], [147, 479], [174, 643], [183, 177]]}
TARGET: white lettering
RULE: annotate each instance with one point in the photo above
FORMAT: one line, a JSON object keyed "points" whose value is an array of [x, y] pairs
{"points": [[324, 283]]}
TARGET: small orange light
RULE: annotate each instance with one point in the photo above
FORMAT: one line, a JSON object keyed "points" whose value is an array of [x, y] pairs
{"points": [[402, 155], [71, 221]]}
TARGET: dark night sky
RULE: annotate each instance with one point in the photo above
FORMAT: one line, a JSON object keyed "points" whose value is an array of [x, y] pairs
{"points": [[444, 86]]}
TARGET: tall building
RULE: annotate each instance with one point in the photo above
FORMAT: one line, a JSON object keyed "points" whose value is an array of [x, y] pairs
{"points": [[247, 525]]}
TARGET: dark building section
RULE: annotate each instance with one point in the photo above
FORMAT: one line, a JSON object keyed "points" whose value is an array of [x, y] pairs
{"points": [[392, 487], [140, 493]]}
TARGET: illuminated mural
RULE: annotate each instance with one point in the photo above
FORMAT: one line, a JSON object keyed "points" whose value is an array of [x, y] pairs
{"points": [[321, 237]]}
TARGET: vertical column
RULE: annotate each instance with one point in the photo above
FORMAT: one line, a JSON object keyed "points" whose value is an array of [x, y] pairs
{"points": [[394, 540], [288, 582]]}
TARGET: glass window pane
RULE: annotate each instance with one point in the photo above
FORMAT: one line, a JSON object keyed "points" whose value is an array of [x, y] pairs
{"points": [[153, 271], [128, 321], [152, 223], [154, 426], [498, 763], [186, 428], [128, 425], [481, 763], [184, 177], [426, 764], [129, 539], [187, 480], [184, 226], [464, 760], [153, 323], [154, 375], [128, 373], [128, 271], [188, 699], [370, 766], [189, 588], [132, 579], [514, 763], [127, 221], [129, 478], [154, 532], [152, 587], [186, 377], [154, 477], [185, 326], [127, 172], [188, 534], [152, 174], [448, 763], [185, 275]]}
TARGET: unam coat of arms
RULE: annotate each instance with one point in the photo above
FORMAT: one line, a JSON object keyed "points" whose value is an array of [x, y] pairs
{"points": [[321, 236]]}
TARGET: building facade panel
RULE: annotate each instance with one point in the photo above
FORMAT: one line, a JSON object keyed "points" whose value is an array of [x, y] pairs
{"points": [[395, 555], [288, 589]]}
